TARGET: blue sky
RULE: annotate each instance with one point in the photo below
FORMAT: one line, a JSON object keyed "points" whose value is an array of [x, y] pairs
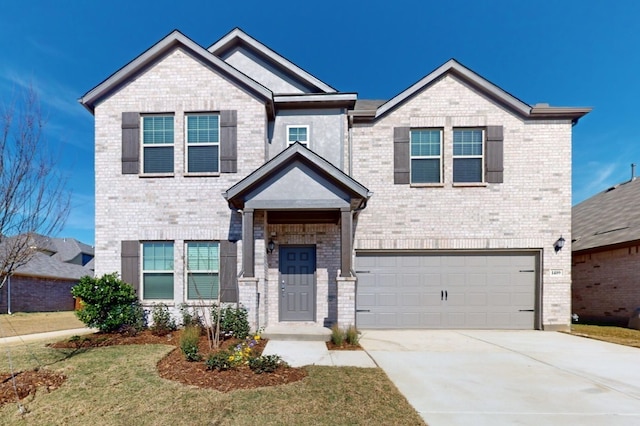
{"points": [[565, 53]]}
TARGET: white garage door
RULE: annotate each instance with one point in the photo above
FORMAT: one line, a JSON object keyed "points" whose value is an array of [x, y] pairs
{"points": [[483, 290]]}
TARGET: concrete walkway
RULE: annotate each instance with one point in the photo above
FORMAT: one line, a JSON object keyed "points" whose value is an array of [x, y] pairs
{"points": [[510, 377], [44, 336], [301, 353]]}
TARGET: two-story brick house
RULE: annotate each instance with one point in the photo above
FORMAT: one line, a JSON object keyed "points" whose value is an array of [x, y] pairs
{"points": [[232, 169]]}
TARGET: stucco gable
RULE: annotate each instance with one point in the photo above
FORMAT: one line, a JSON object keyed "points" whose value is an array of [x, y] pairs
{"points": [[264, 65], [298, 175]]}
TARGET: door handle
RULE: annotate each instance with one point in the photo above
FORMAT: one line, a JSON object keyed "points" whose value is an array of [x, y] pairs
{"points": [[446, 295], [441, 295]]}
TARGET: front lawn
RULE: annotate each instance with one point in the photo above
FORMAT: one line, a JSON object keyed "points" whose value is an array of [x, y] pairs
{"points": [[619, 335], [120, 385], [38, 322]]}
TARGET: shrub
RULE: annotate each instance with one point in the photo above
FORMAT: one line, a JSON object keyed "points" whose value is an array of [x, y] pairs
{"points": [[266, 364], [220, 361], [234, 321], [352, 335], [109, 304], [337, 335], [189, 343], [190, 318], [163, 322]]}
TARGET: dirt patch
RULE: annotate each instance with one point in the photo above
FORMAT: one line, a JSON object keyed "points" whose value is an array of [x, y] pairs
{"points": [[26, 383], [344, 347]]}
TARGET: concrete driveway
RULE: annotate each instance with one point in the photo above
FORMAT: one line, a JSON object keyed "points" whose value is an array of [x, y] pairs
{"points": [[510, 377]]}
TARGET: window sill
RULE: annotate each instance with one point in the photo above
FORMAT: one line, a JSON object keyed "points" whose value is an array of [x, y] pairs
{"points": [[469, 184], [156, 175], [217, 174], [426, 185]]}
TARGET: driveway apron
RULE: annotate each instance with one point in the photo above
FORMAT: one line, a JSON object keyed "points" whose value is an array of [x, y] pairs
{"points": [[474, 377]]}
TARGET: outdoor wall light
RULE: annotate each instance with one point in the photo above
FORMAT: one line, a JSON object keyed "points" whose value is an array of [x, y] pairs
{"points": [[557, 246], [270, 246]]}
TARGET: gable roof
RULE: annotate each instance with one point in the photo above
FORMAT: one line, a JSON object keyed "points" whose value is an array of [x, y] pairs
{"points": [[172, 41], [238, 38], [68, 249], [608, 219], [44, 266], [296, 152], [482, 85]]}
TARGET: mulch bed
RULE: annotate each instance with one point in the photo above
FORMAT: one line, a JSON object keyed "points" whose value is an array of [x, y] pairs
{"points": [[175, 367]]}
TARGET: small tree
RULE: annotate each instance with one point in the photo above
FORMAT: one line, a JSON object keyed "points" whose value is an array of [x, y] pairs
{"points": [[108, 304], [33, 195]]}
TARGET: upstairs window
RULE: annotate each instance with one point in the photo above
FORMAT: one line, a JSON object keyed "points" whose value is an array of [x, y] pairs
{"points": [[203, 143], [298, 134], [157, 270], [203, 267], [157, 144], [468, 157], [426, 155]]}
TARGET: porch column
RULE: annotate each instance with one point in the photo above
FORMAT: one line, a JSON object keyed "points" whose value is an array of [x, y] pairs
{"points": [[247, 244], [345, 242]]}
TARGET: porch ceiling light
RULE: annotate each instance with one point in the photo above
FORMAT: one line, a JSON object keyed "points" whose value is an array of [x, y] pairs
{"points": [[557, 246], [270, 246]]}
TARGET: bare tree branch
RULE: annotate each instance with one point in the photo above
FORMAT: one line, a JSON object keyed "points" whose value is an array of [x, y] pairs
{"points": [[34, 199]]}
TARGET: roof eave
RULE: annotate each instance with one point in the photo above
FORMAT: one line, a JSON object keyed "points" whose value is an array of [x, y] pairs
{"points": [[175, 38], [549, 112]]}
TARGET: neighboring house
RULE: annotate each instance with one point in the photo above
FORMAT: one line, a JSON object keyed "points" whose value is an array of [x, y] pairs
{"points": [[44, 283], [230, 167], [606, 258]]}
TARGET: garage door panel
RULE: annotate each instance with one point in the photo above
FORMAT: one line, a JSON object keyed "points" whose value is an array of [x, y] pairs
{"points": [[478, 290]]}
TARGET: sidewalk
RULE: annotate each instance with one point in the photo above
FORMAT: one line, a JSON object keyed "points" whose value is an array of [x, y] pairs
{"points": [[301, 353], [44, 336]]}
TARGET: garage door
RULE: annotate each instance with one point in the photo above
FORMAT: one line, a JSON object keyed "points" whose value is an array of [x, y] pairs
{"points": [[491, 291]]}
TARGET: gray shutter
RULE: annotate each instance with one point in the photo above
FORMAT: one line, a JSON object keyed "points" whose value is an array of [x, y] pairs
{"points": [[130, 263], [494, 155], [228, 271], [229, 141], [401, 155], [130, 143]]}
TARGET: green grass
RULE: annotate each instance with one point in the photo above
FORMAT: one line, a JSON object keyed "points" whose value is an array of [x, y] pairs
{"points": [[119, 385], [38, 322], [619, 335]]}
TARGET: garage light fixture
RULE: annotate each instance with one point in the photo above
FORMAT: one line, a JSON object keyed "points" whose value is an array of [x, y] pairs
{"points": [[557, 246]]}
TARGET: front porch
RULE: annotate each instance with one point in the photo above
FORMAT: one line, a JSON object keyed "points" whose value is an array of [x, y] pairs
{"points": [[297, 242]]}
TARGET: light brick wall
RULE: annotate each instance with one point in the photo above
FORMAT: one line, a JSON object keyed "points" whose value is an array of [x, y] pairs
{"points": [[179, 208], [605, 285], [530, 210]]}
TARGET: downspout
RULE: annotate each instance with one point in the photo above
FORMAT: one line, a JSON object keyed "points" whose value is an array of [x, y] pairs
{"points": [[350, 143]]}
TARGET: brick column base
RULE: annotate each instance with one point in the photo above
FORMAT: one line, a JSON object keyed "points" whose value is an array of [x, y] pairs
{"points": [[346, 301], [248, 297]]}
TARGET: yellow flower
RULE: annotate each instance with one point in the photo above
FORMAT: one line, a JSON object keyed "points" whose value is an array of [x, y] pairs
{"points": [[231, 358], [256, 337]]}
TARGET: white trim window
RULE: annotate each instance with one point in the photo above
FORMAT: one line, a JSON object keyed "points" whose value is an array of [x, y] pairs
{"points": [[203, 270], [468, 155], [203, 143], [157, 270], [426, 156], [298, 134], [157, 143]]}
